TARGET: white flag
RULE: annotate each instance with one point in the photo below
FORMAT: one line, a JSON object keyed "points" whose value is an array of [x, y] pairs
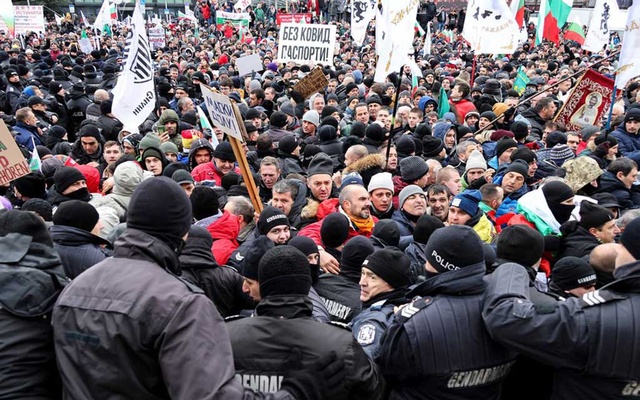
{"points": [[427, 42], [598, 34], [382, 20], [629, 64], [490, 27], [362, 12], [134, 96], [397, 38], [103, 18]]}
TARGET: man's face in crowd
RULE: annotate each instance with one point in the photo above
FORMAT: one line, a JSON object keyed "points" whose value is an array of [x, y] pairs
{"points": [[202, 156], [359, 203], [331, 87], [320, 185], [253, 100], [381, 199], [607, 232], [629, 178], [413, 120], [279, 234], [318, 104], [90, 145], [172, 157], [269, 93], [484, 121], [548, 112], [269, 175], [154, 165], [111, 154], [632, 127], [77, 185], [416, 204], [456, 94], [188, 106], [454, 183], [174, 73], [225, 166], [439, 203], [362, 114], [457, 216], [180, 93], [512, 182], [374, 108], [573, 141], [471, 120], [474, 174], [383, 117], [450, 139], [308, 128], [282, 201], [171, 127], [372, 285], [252, 288]]}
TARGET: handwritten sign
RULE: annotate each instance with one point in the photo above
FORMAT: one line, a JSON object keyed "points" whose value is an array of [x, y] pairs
{"points": [[314, 82], [28, 19], [13, 165], [221, 112]]}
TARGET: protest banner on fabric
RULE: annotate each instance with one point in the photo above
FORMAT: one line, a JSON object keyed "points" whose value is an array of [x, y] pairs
{"points": [[156, 38], [490, 27], [7, 18], [286, 18], [397, 30], [249, 64], [242, 5], [362, 12], [598, 33], [629, 63], [307, 43], [221, 112], [28, 19], [314, 82], [588, 102], [236, 19], [13, 165]]}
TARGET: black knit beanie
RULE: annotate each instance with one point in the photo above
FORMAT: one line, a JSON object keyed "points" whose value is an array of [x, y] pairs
{"points": [[425, 226], [25, 223], [160, 208], [392, 265], [31, 185], [271, 217], [284, 270], [251, 260], [65, 177], [354, 253], [334, 230], [388, 232], [78, 214]]}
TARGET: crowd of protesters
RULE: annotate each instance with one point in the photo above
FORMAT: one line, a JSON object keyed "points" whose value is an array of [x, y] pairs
{"points": [[401, 252]]}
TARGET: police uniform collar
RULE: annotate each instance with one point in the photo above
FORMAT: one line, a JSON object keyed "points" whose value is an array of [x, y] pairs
{"points": [[467, 280], [285, 307]]}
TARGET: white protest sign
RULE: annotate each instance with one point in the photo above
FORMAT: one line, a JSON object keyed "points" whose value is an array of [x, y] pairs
{"points": [[156, 37], [248, 64], [242, 4], [28, 19], [221, 112], [307, 43]]}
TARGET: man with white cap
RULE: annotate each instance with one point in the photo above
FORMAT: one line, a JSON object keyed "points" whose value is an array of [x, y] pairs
{"points": [[381, 190]]}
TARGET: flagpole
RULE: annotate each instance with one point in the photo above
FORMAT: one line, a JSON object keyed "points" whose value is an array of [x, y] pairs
{"points": [[547, 89], [473, 70], [393, 116], [613, 101]]}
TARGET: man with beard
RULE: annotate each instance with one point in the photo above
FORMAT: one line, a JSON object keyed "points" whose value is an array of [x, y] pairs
{"points": [[88, 147]]}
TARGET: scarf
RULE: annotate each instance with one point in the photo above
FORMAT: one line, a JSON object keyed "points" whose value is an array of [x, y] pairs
{"points": [[365, 226]]}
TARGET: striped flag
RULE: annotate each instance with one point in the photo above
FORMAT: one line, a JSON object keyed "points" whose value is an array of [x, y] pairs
{"points": [[34, 163], [443, 103], [112, 11], [204, 124], [575, 32], [517, 7], [553, 15]]}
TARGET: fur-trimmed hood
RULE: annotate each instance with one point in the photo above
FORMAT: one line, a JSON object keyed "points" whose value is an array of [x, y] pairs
{"points": [[365, 163]]}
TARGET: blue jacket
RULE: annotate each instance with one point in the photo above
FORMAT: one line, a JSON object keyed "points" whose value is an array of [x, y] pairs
{"points": [[628, 144], [370, 326], [79, 250], [25, 133]]}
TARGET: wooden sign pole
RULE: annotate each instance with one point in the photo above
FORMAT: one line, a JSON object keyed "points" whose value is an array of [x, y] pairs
{"points": [[238, 151]]}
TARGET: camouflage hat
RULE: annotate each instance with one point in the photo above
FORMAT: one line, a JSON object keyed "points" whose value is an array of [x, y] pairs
{"points": [[581, 171]]}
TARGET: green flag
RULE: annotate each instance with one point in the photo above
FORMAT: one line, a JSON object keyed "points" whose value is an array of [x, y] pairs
{"points": [[521, 81], [443, 103]]}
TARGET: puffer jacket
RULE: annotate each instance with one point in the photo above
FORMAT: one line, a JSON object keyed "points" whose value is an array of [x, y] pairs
{"points": [[31, 279], [224, 233], [628, 144], [627, 198]]}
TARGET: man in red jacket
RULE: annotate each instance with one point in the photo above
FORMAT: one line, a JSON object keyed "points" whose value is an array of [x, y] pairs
{"points": [[459, 98]]}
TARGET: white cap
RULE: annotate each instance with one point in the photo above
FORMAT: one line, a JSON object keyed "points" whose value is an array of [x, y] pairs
{"points": [[382, 180]]}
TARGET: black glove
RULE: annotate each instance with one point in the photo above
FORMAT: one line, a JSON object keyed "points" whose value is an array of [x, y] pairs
{"points": [[318, 382]]}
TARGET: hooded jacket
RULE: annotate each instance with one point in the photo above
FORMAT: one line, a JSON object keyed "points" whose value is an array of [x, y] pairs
{"points": [[77, 105], [78, 249], [31, 279], [196, 145], [577, 241], [152, 334], [224, 233]]}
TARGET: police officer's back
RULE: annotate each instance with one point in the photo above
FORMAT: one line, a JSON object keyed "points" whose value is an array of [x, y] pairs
{"points": [[437, 347], [592, 341], [283, 338]]}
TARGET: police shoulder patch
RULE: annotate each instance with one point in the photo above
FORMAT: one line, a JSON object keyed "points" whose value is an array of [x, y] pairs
{"points": [[411, 309], [366, 334], [598, 297]]}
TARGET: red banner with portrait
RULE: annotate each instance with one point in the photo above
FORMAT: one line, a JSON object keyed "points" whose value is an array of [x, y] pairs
{"points": [[293, 18], [588, 103]]}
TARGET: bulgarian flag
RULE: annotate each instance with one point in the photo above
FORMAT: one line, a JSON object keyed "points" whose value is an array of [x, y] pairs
{"points": [[443, 103], [112, 11], [552, 17], [575, 32], [414, 84], [517, 7], [419, 30], [34, 162]]}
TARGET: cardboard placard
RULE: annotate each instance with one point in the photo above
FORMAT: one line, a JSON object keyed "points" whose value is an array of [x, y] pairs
{"points": [[28, 19], [314, 82], [307, 43], [13, 165], [156, 37], [248, 64], [221, 112]]}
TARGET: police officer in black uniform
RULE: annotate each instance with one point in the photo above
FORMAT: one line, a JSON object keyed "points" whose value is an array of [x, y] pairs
{"points": [[283, 338], [593, 341], [437, 347], [386, 275]]}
